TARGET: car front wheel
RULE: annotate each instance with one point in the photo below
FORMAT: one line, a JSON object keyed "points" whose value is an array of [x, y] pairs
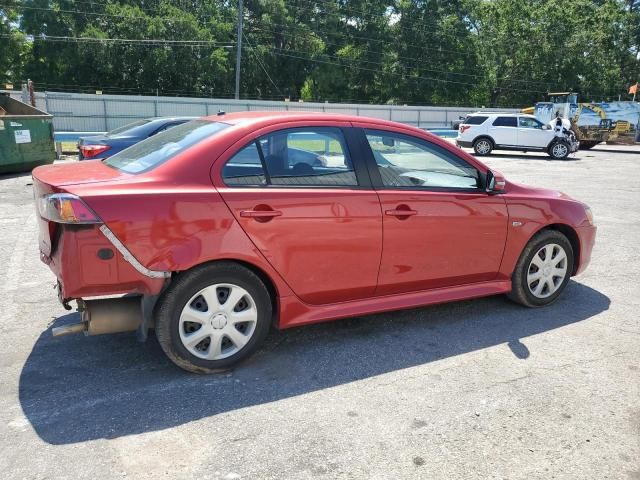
{"points": [[543, 270], [482, 146], [559, 150], [212, 317]]}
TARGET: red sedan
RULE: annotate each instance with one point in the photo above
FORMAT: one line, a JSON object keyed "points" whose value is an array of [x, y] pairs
{"points": [[215, 230]]}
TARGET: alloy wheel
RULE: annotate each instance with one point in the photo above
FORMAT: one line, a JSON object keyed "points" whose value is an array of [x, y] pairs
{"points": [[547, 270], [218, 321], [483, 147], [560, 150]]}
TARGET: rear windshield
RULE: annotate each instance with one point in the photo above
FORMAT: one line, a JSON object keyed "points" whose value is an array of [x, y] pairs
{"points": [[153, 151], [128, 126], [476, 120]]}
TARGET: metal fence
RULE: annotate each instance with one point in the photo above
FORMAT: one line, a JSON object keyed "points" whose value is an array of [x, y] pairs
{"points": [[94, 113]]}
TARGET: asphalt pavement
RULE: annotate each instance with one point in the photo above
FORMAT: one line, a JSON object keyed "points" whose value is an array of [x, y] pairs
{"points": [[474, 389]]}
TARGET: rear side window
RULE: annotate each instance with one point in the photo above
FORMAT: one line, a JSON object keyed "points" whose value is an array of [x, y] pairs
{"points": [[156, 150], [245, 168], [475, 120], [505, 122], [305, 157]]}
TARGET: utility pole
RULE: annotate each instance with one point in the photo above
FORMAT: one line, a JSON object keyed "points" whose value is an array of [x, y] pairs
{"points": [[239, 49]]}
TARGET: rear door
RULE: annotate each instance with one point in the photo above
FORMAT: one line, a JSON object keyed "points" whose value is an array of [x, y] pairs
{"points": [[440, 228], [308, 208], [504, 130]]}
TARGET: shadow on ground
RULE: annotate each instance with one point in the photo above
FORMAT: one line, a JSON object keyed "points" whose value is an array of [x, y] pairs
{"points": [[77, 388], [574, 157]]}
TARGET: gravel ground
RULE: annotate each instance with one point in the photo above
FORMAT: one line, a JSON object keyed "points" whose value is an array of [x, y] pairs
{"points": [[475, 389]]}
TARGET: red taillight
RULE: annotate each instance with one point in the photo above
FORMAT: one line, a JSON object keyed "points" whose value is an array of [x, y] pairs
{"points": [[92, 151], [464, 127], [65, 208]]}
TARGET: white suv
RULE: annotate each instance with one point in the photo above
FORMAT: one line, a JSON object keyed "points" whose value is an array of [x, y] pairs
{"points": [[486, 131]]}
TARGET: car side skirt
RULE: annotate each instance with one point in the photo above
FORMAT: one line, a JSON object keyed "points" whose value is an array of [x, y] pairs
{"points": [[520, 148], [293, 312]]}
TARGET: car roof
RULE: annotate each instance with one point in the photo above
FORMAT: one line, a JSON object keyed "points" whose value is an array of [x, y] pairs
{"points": [[256, 118], [502, 114]]}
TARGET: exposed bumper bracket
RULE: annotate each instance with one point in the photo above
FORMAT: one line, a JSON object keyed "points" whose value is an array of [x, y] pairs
{"points": [[128, 256]]}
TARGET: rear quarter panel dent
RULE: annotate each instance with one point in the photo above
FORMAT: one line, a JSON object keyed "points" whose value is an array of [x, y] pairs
{"points": [[175, 230]]}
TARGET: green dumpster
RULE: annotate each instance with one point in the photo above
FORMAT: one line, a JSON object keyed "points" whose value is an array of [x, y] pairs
{"points": [[26, 136]]}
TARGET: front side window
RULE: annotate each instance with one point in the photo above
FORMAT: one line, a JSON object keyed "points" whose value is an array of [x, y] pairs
{"points": [[505, 122], [407, 162], [153, 151], [526, 122], [313, 157]]}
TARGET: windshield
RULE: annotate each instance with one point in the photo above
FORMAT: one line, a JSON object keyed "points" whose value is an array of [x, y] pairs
{"points": [[156, 150], [128, 126]]}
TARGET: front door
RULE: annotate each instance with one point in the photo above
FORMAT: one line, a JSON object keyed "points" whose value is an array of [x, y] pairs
{"points": [[439, 227], [531, 133], [296, 194]]}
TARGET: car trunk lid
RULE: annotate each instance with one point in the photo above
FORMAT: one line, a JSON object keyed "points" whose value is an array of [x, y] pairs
{"points": [[75, 173]]}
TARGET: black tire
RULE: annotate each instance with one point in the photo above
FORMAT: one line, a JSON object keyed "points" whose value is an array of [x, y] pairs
{"points": [[559, 150], [521, 293], [482, 146], [188, 284]]}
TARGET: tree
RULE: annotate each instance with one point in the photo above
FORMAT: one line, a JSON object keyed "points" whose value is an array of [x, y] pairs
{"points": [[467, 52], [13, 46]]}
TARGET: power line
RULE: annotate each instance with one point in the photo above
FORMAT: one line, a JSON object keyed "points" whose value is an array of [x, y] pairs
{"points": [[78, 12], [188, 43], [278, 51], [93, 4], [130, 17], [404, 76], [368, 39], [395, 56], [257, 57], [341, 16], [439, 50]]}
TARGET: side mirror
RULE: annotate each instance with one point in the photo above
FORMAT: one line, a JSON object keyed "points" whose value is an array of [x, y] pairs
{"points": [[546, 127], [495, 182], [388, 141]]}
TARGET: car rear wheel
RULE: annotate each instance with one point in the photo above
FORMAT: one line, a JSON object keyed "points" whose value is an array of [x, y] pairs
{"points": [[543, 270], [482, 146], [559, 150], [212, 317]]}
